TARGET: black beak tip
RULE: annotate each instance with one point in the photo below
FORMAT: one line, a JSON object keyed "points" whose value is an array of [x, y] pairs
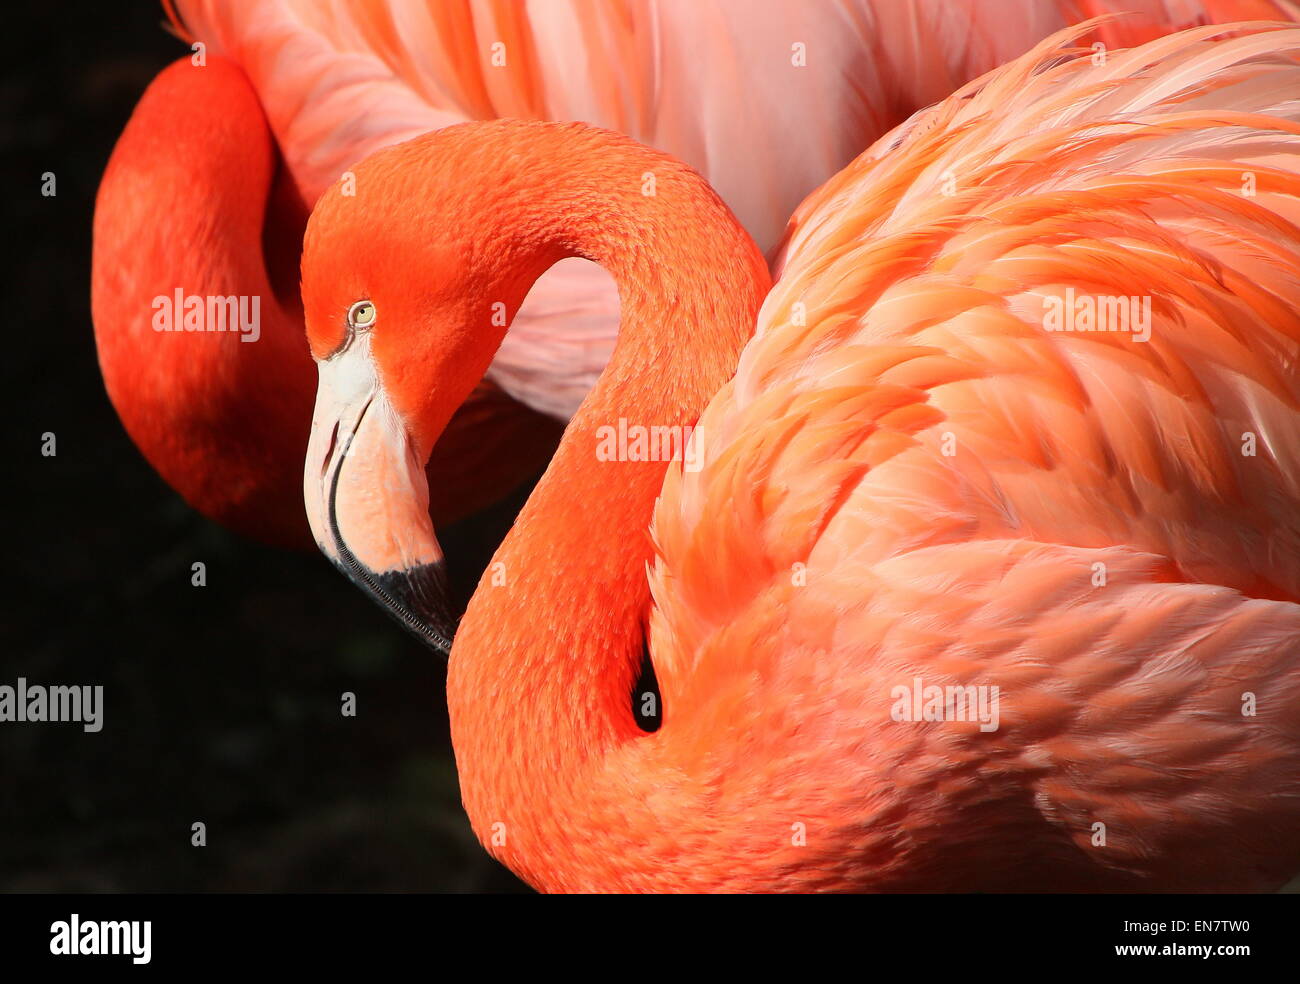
{"points": [[419, 598]]}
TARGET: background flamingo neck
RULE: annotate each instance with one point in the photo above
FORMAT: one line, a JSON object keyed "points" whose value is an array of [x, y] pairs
{"points": [[540, 686], [182, 208]]}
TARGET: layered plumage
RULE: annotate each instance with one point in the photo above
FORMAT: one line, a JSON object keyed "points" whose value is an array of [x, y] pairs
{"points": [[910, 477]]}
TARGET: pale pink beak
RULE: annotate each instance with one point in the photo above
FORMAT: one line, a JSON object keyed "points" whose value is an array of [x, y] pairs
{"points": [[367, 497]]}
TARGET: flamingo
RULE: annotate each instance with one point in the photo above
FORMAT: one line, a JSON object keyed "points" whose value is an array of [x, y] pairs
{"points": [[209, 187], [903, 472]]}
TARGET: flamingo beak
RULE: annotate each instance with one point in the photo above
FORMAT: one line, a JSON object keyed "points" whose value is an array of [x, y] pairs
{"points": [[367, 498]]}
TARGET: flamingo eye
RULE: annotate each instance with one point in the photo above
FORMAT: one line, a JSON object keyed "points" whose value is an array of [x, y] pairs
{"points": [[361, 315]]}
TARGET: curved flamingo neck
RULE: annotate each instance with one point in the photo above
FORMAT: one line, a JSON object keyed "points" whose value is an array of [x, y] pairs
{"points": [[191, 202], [541, 677]]}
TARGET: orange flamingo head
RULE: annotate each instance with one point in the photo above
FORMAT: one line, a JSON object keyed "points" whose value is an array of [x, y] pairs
{"points": [[414, 265], [405, 305]]}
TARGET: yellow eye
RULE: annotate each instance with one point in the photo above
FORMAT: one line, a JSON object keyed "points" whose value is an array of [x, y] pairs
{"points": [[361, 314]]}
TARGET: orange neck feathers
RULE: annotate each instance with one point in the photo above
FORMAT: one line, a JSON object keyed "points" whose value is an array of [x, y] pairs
{"points": [[540, 686], [182, 207]]}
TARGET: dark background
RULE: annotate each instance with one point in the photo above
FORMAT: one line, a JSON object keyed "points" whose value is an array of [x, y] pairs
{"points": [[222, 703]]}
